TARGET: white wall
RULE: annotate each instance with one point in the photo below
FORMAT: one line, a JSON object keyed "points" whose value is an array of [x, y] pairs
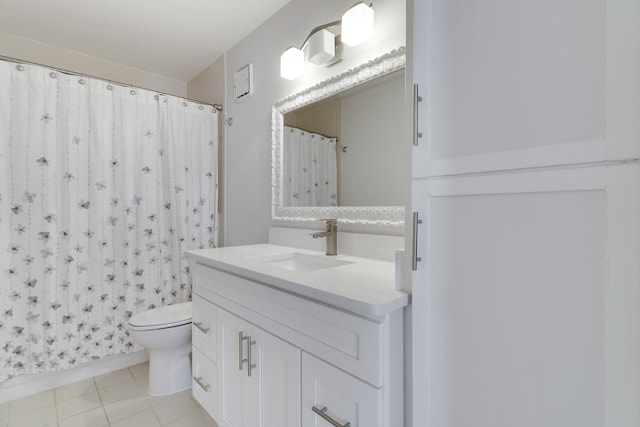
{"points": [[40, 53], [248, 156]]}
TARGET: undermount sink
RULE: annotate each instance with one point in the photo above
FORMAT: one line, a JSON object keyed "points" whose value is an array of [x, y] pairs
{"points": [[296, 261]]}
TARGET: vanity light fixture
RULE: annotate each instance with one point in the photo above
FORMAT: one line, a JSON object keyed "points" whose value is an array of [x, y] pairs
{"points": [[320, 45]]}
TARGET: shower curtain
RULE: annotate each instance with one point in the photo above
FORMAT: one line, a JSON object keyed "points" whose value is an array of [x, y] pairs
{"points": [[310, 171], [102, 189]]}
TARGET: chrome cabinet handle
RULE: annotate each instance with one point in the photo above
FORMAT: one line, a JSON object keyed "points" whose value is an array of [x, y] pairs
{"points": [[323, 413], [199, 326], [241, 359], [414, 243], [250, 365], [416, 99], [198, 381]]}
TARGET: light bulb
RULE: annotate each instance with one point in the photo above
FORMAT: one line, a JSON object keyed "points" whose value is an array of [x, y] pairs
{"points": [[357, 24], [291, 63]]}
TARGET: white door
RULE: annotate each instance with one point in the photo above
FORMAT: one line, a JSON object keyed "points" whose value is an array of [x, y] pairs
{"points": [[275, 380], [526, 305], [235, 392], [259, 376]]}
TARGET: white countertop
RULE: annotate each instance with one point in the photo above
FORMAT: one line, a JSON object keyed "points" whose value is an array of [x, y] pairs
{"points": [[364, 286]]}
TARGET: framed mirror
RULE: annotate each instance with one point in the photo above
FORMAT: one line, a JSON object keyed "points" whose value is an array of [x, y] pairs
{"points": [[333, 153]]}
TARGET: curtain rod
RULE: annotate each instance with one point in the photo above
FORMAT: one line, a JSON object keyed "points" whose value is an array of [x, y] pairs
{"points": [[310, 131], [75, 73]]}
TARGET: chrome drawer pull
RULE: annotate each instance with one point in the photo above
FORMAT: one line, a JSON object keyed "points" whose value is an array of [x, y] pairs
{"points": [[198, 381], [323, 413], [199, 326]]}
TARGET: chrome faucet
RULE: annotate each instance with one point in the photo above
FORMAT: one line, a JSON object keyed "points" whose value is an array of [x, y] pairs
{"points": [[331, 233]]}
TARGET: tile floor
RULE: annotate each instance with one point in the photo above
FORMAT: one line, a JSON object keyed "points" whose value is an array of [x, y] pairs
{"points": [[117, 399]]}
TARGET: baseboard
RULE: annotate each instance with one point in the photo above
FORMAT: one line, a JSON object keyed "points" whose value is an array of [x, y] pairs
{"points": [[27, 385]]}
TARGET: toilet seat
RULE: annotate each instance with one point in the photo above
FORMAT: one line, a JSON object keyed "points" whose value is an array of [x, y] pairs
{"points": [[168, 316]]}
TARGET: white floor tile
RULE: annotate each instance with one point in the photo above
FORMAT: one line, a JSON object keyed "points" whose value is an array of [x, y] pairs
{"points": [[196, 419], [37, 418], [178, 406], [78, 405], [4, 414], [73, 390], [146, 418], [29, 403], [122, 391], [140, 370], [121, 409], [112, 378], [120, 402], [143, 383], [93, 418]]}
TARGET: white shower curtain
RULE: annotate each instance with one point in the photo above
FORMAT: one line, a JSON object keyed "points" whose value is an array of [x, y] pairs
{"points": [[102, 188], [309, 169]]}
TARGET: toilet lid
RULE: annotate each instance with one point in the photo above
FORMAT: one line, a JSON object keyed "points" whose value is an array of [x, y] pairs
{"points": [[163, 317]]}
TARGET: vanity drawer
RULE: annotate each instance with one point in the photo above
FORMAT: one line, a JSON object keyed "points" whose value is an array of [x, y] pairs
{"points": [[205, 382], [203, 330], [338, 396], [348, 341]]}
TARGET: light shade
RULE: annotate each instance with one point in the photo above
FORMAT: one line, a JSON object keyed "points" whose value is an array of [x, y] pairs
{"points": [[291, 63], [357, 24], [321, 47]]}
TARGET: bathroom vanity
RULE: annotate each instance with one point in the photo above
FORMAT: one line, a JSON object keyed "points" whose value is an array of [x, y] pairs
{"points": [[290, 337]]}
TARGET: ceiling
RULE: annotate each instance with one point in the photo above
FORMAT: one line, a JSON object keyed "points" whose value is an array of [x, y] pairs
{"points": [[177, 38]]}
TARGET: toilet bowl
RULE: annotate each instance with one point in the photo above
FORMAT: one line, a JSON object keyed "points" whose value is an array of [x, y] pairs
{"points": [[165, 332]]}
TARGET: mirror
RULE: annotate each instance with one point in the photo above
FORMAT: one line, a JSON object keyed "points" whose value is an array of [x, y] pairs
{"points": [[342, 150], [333, 153]]}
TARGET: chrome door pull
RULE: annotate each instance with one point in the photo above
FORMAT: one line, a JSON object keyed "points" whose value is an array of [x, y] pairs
{"points": [[198, 381], [241, 359], [199, 326], [250, 365], [416, 99], [414, 243], [323, 413]]}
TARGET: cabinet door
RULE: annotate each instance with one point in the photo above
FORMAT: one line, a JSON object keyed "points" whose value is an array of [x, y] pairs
{"points": [[338, 395], [259, 376], [527, 304], [275, 380], [235, 395]]}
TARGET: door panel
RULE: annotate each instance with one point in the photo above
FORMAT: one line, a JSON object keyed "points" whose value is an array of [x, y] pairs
{"points": [[235, 392], [277, 380]]}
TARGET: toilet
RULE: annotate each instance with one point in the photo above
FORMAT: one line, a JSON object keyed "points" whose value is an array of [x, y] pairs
{"points": [[165, 332]]}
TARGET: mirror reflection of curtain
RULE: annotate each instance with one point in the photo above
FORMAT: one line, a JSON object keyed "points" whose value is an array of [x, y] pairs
{"points": [[309, 168]]}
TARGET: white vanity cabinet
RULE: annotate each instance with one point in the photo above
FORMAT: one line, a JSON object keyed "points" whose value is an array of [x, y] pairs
{"points": [[286, 360]]}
